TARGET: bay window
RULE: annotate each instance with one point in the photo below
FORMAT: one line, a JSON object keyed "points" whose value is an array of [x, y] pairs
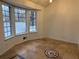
{"points": [[19, 16]]}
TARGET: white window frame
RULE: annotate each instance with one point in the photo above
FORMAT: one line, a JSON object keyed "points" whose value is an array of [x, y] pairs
{"points": [[18, 19], [13, 20], [5, 19], [35, 19]]}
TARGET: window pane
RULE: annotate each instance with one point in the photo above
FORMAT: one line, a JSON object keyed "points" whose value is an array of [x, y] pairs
{"points": [[6, 13], [21, 15], [20, 23], [17, 19], [16, 10], [9, 33], [8, 29], [33, 21], [16, 15], [6, 20], [20, 27], [8, 24], [5, 29], [5, 34], [5, 8], [5, 24]]}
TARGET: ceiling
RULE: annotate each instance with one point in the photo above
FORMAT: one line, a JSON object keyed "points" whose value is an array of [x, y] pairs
{"points": [[41, 2]]}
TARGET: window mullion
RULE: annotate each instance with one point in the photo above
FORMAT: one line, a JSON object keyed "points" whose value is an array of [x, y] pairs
{"points": [[28, 20], [13, 21]]}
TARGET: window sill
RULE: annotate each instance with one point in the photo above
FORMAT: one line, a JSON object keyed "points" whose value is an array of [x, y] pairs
{"points": [[19, 35], [32, 32], [7, 38]]}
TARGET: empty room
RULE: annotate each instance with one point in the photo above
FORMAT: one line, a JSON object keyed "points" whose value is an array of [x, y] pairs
{"points": [[39, 29]]}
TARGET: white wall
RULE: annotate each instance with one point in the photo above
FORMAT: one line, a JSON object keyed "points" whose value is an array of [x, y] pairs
{"points": [[5, 45], [62, 20]]}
